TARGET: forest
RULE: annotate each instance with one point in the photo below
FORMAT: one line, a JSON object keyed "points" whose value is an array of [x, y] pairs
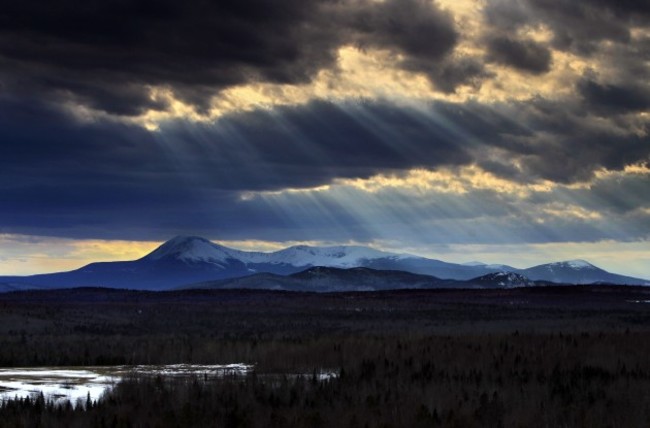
{"points": [[551, 357]]}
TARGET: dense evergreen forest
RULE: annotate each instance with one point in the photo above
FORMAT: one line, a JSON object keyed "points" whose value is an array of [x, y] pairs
{"points": [[537, 358]]}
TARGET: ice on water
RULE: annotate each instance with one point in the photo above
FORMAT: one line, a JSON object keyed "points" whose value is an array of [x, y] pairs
{"points": [[77, 384]]}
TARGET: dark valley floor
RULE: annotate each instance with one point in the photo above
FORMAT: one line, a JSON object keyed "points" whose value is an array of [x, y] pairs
{"points": [[552, 356]]}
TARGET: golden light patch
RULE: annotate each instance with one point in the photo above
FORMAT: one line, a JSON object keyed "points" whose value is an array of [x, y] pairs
{"points": [[458, 181], [422, 181], [571, 211], [176, 109], [537, 33], [642, 169], [111, 250], [507, 84], [360, 74], [468, 17], [633, 169], [463, 8], [639, 33], [24, 255], [418, 180]]}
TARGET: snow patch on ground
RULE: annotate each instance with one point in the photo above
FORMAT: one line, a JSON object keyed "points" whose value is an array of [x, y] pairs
{"points": [[77, 384], [58, 385]]}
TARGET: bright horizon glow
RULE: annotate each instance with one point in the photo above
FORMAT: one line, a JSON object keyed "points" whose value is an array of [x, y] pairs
{"points": [[31, 255]]}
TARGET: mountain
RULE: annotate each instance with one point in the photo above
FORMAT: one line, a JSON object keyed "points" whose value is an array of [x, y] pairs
{"points": [[504, 268], [174, 263], [331, 279], [195, 251], [502, 280], [189, 259], [577, 272]]}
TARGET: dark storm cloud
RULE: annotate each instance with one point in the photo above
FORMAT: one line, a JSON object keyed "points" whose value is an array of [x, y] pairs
{"points": [[611, 98], [413, 27], [103, 53], [106, 54], [566, 144], [619, 195], [599, 31], [457, 72], [578, 26], [422, 34], [299, 146], [526, 55]]}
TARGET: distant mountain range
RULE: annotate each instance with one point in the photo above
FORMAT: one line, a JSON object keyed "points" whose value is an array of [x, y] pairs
{"points": [[331, 279], [187, 261]]}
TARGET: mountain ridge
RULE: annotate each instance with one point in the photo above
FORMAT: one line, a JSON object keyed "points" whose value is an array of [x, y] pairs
{"points": [[191, 259]]}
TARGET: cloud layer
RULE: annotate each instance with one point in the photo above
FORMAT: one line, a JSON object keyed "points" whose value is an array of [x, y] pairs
{"points": [[526, 121], [108, 55]]}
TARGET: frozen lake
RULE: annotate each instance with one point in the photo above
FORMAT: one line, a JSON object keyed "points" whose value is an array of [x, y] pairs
{"points": [[60, 384]]}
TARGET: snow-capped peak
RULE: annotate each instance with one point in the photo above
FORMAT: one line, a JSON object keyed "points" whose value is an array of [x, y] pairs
{"points": [[336, 256], [575, 264], [191, 249], [196, 249]]}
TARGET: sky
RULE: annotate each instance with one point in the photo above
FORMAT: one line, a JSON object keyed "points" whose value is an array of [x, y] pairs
{"points": [[505, 131]]}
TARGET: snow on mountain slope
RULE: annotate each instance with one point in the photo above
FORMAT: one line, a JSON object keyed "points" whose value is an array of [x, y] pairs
{"points": [[575, 264], [192, 249], [503, 280], [569, 266], [219, 262], [196, 249], [337, 256], [190, 259], [576, 272]]}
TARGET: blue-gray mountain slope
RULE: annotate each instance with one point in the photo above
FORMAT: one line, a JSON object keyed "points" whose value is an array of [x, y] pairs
{"points": [[188, 260]]}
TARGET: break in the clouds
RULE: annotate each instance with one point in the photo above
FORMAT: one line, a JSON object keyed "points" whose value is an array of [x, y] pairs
{"points": [[431, 123]]}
